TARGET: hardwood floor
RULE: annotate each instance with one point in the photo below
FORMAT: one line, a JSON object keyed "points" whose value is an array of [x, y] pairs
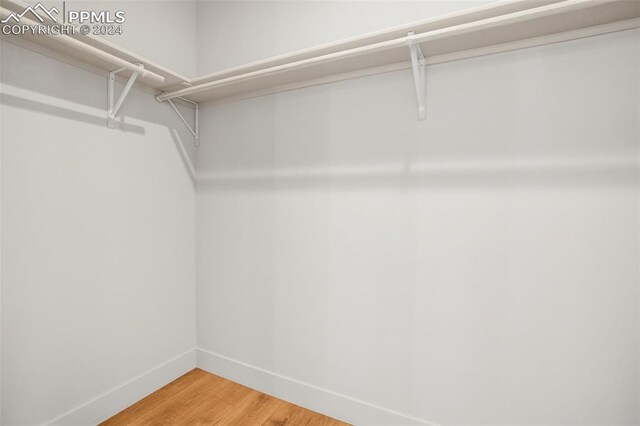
{"points": [[201, 398]]}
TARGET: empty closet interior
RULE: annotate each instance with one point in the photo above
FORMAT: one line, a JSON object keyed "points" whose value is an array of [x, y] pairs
{"points": [[382, 212]]}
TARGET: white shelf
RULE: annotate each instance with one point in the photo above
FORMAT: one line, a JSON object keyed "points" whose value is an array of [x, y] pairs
{"points": [[495, 28]]}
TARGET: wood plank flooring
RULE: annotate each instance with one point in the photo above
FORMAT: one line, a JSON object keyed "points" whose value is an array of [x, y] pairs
{"points": [[201, 398]]}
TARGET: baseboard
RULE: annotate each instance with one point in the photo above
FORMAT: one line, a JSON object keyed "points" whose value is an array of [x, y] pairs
{"points": [[333, 404], [115, 400]]}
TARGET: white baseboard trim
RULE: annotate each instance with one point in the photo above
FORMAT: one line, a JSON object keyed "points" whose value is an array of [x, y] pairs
{"points": [[315, 398], [115, 400]]}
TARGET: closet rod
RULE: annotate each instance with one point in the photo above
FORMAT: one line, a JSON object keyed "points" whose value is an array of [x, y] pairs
{"points": [[456, 30], [76, 44]]}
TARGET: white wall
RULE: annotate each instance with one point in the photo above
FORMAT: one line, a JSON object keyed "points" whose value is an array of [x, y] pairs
{"points": [[163, 31], [97, 244], [233, 33], [480, 267]]}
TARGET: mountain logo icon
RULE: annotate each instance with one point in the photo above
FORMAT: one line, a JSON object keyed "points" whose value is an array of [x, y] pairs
{"points": [[33, 10]]}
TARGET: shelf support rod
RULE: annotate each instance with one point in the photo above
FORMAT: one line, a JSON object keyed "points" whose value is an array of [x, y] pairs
{"points": [[115, 105], [419, 66], [195, 130]]}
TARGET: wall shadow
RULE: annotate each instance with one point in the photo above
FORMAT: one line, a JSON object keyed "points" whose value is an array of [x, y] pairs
{"points": [[480, 175], [56, 111], [184, 157]]}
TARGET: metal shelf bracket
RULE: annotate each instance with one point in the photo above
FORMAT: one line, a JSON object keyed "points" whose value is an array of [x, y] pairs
{"points": [[195, 130], [115, 105], [419, 66]]}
